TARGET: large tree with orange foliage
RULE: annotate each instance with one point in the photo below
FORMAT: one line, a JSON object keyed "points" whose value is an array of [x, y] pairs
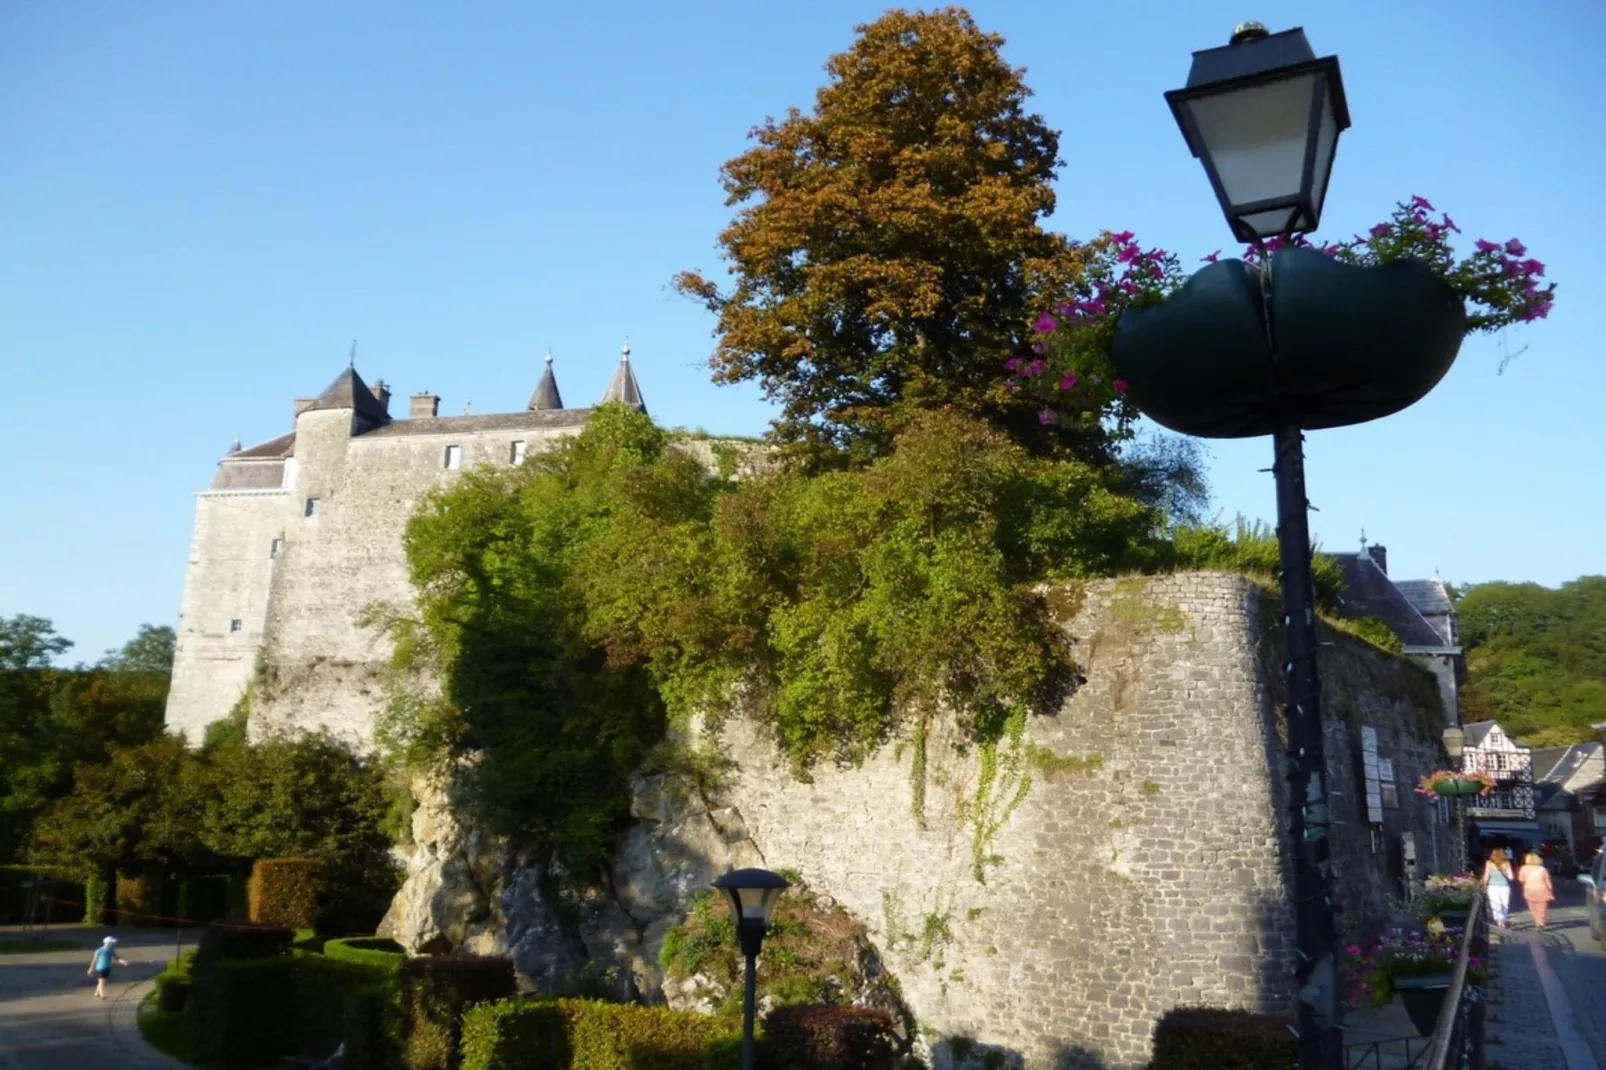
{"points": [[888, 253]]}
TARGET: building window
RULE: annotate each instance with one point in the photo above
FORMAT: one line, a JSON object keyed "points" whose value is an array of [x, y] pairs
{"points": [[517, 456], [454, 456], [312, 506], [234, 625], [275, 547]]}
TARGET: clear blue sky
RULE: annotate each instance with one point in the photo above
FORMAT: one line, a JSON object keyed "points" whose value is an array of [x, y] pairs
{"points": [[202, 204]]}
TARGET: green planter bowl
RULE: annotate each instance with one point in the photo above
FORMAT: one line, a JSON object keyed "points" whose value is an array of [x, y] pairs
{"points": [[1455, 785], [1423, 998], [1333, 345]]}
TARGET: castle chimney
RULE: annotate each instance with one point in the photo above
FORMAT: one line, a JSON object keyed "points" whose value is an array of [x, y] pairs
{"points": [[424, 406], [381, 394], [303, 404], [1380, 557]]}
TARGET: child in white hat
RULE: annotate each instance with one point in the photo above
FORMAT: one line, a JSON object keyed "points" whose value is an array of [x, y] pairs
{"points": [[100, 966]]}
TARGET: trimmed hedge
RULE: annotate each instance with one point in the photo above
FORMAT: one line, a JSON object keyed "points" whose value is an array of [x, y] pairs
{"points": [[242, 1010], [373, 1029], [138, 898], [435, 992], [231, 942], [206, 898], [96, 890], [1209, 1038], [577, 1034], [286, 891], [827, 1037], [376, 951]]}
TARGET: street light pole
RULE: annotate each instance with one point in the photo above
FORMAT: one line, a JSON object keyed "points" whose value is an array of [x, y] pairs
{"points": [[753, 894], [1316, 936]]}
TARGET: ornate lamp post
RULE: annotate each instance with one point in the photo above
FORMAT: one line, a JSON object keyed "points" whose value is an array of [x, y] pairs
{"points": [[1291, 342], [1455, 743], [753, 895]]}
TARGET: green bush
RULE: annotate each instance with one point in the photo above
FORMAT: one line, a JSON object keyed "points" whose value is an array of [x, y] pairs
{"points": [[326, 993], [376, 951], [828, 1037], [96, 889], [435, 992], [243, 942], [373, 1028], [1208, 1038], [204, 898], [243, 1011], [576, 1034], [286, 891], [172, 993]]}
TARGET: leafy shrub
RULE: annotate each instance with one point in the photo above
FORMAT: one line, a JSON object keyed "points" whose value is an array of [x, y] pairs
{"points": [[243, 942], [1251, 549], [172, 993], [327, 992], [577, 1034], [244, 1010], [435, 992], [1209, 1038], [377, 951], [96, 889], [373, 1028], [825, 1037], [286, 891], [139, 898]]}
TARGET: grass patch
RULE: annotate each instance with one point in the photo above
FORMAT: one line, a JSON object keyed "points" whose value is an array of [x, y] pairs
{"points": [[33, 947], [167, 1031]]}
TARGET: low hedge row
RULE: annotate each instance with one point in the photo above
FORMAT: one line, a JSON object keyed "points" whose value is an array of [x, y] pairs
{"points": [[434, 994], [575, 1034], [1209, 1038], [369, 950], [827, 1037]]}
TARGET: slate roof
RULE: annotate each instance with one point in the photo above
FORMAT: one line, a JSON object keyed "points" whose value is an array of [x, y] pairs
{"points": [[546, 394], [1546, 759], [623, 387], [1368, 592], [1476, 731], [282, 446], [458, 425], [348, 391], [1428, 596], [249, 475]]}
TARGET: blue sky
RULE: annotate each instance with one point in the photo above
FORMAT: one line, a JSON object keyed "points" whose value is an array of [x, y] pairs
{"points": [[203, 204]]}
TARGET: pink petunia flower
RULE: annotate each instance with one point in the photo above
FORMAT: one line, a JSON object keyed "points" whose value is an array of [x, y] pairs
{"points": [[1045, 417], [1516, 248], [1212, 258], [1381, 230], [1487, 246], [1450, 223], [1045, 324], [1013, 364], [1127, 254], [1423, 203], [1123, 238], [1069, 381], [1534, 268], [1120, 386]]}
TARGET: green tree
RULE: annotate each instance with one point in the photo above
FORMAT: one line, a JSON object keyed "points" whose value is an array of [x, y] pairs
{"points": [[888, 253], [127, 812], [1536, 657], [149, 651], [29, 642]]}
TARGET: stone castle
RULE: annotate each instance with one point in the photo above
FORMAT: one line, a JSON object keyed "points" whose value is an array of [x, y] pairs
{"points": [[296, 536]]}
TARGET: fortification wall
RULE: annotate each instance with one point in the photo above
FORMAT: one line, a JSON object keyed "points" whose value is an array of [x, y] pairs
{"points": [[1141, 867], [226, 578]]}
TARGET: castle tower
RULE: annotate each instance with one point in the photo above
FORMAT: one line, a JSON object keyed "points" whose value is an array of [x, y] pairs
{"points": [[623, 387], [546, 394]]}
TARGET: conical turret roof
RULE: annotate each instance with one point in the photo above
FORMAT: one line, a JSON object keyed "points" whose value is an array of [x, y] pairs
{"points": [[546, 394], [623, 387], [348, 391]]}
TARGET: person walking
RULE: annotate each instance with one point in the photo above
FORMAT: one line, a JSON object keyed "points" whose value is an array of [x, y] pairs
{"points": [[100, 966], [1536, 888], [1497, 878]]}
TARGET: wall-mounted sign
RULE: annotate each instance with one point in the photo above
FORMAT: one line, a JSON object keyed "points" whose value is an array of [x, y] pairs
{"points": [[1385, 770], [1371, 770]]}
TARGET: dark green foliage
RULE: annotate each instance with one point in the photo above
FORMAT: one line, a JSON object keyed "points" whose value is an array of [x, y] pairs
{"points": [[29, 643], [172, 993], [376, 951], [828, 1037], [576, 603], [151, 650], [139, 897], [328, 991], [1207, 1038], [205, 897], [435, 992], [373, 1032], [16, 896], [243, 1011], [573, 1034], [238, 942], [97, 889], [286, 891], [1377, 632], [1536, 658]]}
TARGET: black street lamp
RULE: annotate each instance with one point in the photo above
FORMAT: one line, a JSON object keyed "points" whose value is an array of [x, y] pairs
{"points": [[1263, 114], [1455, 744], [1292, 342], [753, 895]]}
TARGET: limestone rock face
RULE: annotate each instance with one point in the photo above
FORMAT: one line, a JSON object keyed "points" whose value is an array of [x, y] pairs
{"points": [[467, 891]]}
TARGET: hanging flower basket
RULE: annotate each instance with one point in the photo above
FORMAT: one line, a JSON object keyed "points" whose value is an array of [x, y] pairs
{"points": [[1451, 785]]}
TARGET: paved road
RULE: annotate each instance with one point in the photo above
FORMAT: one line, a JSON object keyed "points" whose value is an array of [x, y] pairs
{"points": [[1558, 974], [50, 1018]]}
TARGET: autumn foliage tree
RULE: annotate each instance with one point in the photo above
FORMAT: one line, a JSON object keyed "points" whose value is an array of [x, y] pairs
{"points": [[888, 255]]}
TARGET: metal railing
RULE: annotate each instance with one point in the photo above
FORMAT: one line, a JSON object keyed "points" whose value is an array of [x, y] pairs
{"points": [[1457, 1041], [1396, 1053]]}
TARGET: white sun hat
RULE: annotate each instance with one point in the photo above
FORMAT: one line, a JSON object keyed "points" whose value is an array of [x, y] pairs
{"points": [[109, 941]]}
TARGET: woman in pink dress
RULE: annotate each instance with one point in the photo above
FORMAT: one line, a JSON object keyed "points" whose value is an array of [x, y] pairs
{"points": [[1536, 888]]}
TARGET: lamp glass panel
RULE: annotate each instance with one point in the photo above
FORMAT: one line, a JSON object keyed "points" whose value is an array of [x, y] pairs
{"points": [[1326, 145], [758, 902], [1254, 138], [1275, 221]]}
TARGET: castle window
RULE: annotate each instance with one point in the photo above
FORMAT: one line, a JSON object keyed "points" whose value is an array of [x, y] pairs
{"points": [[234, 625], [517, 456], [312, 507], [454, 456], [275, 547]]}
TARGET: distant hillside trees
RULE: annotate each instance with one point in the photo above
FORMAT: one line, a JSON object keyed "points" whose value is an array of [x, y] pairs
{"points": [[1536, 658]]}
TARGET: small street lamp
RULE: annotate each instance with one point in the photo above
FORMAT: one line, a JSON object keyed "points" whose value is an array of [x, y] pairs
{"points": [[753, 895], [1263, 115], [1455, 744]]}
